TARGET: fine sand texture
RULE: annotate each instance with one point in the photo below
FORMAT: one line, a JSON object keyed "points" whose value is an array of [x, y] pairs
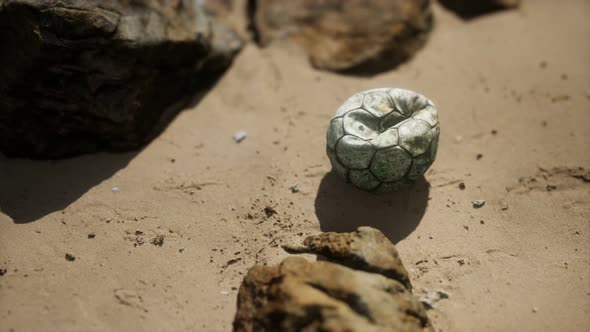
{"points": [[160, 239]]}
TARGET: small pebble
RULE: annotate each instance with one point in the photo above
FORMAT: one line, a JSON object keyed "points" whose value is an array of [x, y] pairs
{"points": [[91, 235], [224, 292], [239, 136], [295, 188], [70, 257], [462, 185], [115, 189], [479, 156], [535, 309], [503, 205], [478, 203]]}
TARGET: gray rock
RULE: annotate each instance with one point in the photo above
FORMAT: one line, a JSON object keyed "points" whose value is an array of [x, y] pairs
{"points": [[356, 36], [353, 289], [79, 76]]}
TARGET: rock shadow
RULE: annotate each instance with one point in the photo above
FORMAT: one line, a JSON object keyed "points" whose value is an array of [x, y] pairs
{"points": [[468, 10], [340, 207], [31, 189]]}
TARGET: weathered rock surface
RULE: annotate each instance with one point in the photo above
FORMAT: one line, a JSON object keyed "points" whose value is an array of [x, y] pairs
{"points": [[78, 76], [365, 249], [470, 8], [356, 36], [337, 294]]}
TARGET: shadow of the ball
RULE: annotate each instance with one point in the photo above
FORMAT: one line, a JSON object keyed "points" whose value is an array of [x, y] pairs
{"points": [[340, 207]]}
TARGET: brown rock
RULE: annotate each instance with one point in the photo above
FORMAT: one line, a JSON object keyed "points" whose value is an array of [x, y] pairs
{"points": [[356, 36], [330, 295], [365, 249], [78, 76], [470, 8]]}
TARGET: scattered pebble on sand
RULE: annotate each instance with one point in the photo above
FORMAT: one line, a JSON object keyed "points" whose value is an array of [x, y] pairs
{"points": [[91, 235], [430, 298], [294, 188], [224, 292], [478, 203], [70, 257], [158, 240], [115, 189], [503, 205], [462, 185], [239, 136], [269, 211]]}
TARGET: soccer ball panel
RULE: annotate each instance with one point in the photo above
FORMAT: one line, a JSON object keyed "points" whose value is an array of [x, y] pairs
{"points": [[391, 120], [362, 124], [336, 165], [427, 115], [434, 144], [364, 179], [407, 101], [335, 131], [386, 139], [354, 153], [352, 103], [419, 166], [391, 164], [378, 103], [415, 136]]}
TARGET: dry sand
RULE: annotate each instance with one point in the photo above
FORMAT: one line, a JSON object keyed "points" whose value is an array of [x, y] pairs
{"points": [[521, 262]]}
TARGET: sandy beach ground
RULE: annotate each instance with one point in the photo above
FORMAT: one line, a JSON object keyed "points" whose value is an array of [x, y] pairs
{"points": [[161, 238]]}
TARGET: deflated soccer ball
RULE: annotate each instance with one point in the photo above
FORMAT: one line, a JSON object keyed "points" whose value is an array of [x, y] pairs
{"points": [[383, 139]]}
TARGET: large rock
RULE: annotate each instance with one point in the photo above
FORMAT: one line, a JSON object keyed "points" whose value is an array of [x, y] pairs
{"points": [[355, 36], [77, 76], [472, 8], [333, 294]]}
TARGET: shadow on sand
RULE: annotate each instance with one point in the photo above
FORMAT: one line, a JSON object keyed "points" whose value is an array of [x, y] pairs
{"points": [[31, 189], [340, 207]]}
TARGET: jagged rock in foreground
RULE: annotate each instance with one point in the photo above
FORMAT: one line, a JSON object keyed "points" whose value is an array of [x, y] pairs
{"points": [[366, 249], [470, 8], [361, 286], [355, 36], [78, 76]]}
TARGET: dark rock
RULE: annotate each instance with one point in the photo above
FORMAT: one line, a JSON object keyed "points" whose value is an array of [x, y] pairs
{"points": [[158, 240], [353, 36], [332, 294], [79, 76], [472, 8]]}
